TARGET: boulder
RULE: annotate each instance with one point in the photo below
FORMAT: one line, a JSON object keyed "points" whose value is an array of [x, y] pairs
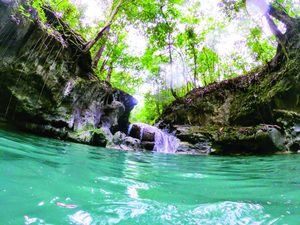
{"points": [[119, 138], [248, 140], [133, 143], [148, 145], [143, 132]]}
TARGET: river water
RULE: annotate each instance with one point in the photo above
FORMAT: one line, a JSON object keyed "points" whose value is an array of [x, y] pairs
{"points": [[46, 181]]}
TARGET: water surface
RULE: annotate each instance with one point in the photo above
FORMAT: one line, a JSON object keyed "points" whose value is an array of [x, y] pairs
{"points": [[46, 181]]}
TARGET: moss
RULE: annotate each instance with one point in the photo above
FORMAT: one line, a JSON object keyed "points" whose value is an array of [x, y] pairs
{"points": [[90, 135], [35, 70], [235, 139], [286, 117], [231, 112], [243, 101], [247, 140]]}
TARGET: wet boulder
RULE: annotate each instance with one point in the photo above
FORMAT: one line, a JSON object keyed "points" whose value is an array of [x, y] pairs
{"points": [[143, 132], [248, 140], [119, 138], [133, 143], [148, 145]]}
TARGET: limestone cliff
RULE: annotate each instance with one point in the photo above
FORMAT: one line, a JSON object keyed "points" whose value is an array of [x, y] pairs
{"points": [[47, 85]]}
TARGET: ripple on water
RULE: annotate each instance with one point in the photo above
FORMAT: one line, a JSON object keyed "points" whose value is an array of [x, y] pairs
{"points": [[149, 212], [81, 217], [49, 182]]}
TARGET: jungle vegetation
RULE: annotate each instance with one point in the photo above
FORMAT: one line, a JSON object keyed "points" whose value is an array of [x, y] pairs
{"points": [[160, 50]]}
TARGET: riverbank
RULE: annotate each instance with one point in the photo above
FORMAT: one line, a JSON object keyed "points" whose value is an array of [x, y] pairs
{"points": [[256, 113], [48, 87]]}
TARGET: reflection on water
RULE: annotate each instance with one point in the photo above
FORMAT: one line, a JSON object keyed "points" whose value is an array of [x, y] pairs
{"points": [[45, 181]]}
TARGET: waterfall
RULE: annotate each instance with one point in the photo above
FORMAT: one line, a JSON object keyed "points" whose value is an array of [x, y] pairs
{"points": [[142, 132], [164, 142], [129, 129]]}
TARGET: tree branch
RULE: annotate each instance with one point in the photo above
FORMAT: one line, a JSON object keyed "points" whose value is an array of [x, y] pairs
{"points": [[98, 37], [100, 51], [106, 26], [281, 38], [281, 16]]}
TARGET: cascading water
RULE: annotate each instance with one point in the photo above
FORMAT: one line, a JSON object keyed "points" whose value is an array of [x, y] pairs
{"points": [[129, 129], [142, 132], [163, 141]]}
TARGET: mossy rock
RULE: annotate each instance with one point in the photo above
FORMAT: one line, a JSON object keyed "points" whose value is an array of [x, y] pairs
{"points": [[248, 140]]}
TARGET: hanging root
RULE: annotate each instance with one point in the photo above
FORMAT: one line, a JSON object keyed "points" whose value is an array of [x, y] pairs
{"points": [[46, 79]]}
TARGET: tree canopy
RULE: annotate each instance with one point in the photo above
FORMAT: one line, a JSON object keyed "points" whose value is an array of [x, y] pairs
{"points": [[160, 50]]}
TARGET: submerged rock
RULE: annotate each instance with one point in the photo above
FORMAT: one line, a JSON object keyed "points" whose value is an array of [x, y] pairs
{"points": [[47, 85]]}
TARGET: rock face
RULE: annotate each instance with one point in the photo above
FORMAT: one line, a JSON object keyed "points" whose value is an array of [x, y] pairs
{"points": [[255, 113], [145, 137], [47, 85]]}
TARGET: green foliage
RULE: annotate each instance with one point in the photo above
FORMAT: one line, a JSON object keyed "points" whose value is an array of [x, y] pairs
{"points": [[23, 11], [178, 34], [292, 7], [63, 8], [260, 46], [152, 108]]}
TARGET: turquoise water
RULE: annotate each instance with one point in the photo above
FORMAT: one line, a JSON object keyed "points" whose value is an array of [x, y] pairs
{"points": [[45, 181]]}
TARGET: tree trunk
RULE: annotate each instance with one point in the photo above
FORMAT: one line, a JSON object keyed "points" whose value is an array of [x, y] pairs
{"points": [[281, 16], [106, 26], [279, 35], [195, 64], [171, 65], [98, 56], [109, 72], [103, 66], [100, 51], [288, 41], [90, 44]]}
